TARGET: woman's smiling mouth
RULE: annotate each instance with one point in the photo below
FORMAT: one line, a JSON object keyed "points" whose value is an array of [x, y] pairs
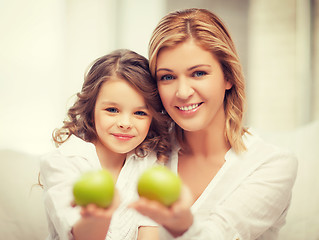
{"points": [[189, 108]]}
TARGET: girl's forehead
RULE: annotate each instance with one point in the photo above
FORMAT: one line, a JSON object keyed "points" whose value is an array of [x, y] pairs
{"points": [[118, 88]]}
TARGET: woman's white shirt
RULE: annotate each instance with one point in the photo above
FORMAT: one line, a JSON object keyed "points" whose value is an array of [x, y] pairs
{"points": [[62, 167], [247, 199]]}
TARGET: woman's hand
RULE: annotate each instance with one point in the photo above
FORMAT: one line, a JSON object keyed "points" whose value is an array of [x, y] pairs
{"points": [[176, 218]]}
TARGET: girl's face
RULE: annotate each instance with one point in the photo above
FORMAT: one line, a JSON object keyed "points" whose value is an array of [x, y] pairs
{"points": [[192, 86], [122, 119]]}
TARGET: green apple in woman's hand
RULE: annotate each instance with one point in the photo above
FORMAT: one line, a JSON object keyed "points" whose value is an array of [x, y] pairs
{"points": [[160, 184], [95, 187]]}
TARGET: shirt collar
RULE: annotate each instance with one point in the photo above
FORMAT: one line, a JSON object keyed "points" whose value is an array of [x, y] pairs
{"points": [[76, 146]]}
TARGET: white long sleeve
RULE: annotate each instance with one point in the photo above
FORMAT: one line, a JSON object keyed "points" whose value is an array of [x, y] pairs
{"points": [[62, 167], [247, 199]]}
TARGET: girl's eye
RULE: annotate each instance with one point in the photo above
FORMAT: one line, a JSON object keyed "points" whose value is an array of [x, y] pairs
{"points": [[166, 77], [112, 110], [140, 113], [199, 73]]}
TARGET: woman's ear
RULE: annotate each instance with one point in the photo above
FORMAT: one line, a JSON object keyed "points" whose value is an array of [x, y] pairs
{"points": [[228, 85]]}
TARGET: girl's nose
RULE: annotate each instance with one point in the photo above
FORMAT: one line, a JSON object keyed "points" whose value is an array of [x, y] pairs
{"points": [[184, 89], [124, 123]]}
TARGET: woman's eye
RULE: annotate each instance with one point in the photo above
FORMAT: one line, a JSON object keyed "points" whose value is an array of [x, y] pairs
{"points": [[199, 73], [166, 77], [112, 110], [140, 113]]}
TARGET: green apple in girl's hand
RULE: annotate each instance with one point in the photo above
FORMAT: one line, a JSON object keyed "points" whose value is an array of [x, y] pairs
{"points": [[94, 187], [160, 184]]}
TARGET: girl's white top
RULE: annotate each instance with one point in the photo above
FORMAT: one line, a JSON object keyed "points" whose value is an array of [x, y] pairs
{"points": [[62, 167], [247, 199]]}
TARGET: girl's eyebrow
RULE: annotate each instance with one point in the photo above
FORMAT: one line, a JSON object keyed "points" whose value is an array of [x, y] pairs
{"points": [[109, 103], [142, 107], [116, 104]]}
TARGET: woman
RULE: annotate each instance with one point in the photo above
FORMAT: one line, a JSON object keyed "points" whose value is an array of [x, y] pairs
{"points": [[238, 186]]}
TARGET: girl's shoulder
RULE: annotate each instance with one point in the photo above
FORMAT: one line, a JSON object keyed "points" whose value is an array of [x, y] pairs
{"points": [[75, 155], [134, 161]]}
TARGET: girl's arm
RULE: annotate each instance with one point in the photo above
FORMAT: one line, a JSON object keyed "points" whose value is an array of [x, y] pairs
{"points": [[94, 222]]}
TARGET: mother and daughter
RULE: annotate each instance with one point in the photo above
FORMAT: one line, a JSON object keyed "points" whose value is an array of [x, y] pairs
{"points": [[184, 110]]}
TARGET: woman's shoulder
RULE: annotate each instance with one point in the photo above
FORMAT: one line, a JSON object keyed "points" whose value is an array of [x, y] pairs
{"points": [[265, 152], [254, 142]]}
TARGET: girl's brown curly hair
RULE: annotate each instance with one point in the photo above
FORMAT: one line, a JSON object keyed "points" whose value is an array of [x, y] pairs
{"points": [[132, 67]]}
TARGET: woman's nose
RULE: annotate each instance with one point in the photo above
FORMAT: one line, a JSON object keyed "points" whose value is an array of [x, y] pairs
{"points": [[184, 89]]}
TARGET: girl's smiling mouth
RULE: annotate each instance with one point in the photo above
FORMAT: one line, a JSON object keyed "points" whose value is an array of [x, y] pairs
{"points": [[124, 137]]}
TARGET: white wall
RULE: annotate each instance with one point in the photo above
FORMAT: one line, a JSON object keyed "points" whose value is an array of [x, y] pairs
{"points": [[46, 46], [31, 71], [136, 21], [281, 82], [315, 64], [272, 65]]}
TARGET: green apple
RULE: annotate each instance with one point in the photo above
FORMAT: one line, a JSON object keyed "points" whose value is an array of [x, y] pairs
{"points": [[161, 184], [94, 187]]}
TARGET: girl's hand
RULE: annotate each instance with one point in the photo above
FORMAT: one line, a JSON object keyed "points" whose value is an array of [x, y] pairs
{"points": [[93, 211], [95, 221], [176, 218]]}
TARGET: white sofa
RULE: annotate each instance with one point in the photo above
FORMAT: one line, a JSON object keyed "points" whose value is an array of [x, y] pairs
{"points": [[22, 214]]}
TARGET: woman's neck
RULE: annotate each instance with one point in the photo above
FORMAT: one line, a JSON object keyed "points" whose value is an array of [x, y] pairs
{"points": [[207, 142], [211, 140]]}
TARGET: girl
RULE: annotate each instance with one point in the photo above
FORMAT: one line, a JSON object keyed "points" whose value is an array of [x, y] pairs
{"points": [[116, 123], [239, 187]]}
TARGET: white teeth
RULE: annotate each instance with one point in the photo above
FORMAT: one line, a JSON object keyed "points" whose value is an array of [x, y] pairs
{"points": [[190, 107]]}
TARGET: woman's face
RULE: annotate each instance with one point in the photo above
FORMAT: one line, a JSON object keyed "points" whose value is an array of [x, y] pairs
{"points": [[192, 86], [122, 119]]}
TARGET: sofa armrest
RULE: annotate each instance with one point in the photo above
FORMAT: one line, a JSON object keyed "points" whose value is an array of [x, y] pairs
{"points": [[22, 213]]}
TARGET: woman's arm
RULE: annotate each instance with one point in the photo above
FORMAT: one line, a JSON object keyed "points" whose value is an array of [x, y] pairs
{"points": [[177, 219], [256, 203], [147, 233]]}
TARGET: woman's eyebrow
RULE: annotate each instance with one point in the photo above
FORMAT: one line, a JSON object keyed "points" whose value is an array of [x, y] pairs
{"points": [[188, 69], [199, 65], [164, 69]]}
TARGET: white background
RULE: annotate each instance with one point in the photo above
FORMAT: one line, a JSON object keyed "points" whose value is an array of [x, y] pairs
{"points": [[46, 47]]}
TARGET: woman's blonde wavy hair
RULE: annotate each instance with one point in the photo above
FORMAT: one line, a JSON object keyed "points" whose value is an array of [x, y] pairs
{"points": [[133, 68], [210, 33]]}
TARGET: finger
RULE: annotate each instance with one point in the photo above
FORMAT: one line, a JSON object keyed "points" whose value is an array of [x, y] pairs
{"points": [[184, 202], [88, 210], [153, 209], [116, 200], [73, 204]]}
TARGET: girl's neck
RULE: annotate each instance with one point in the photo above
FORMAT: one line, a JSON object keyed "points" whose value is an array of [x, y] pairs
{"points": [[110, 160]]}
